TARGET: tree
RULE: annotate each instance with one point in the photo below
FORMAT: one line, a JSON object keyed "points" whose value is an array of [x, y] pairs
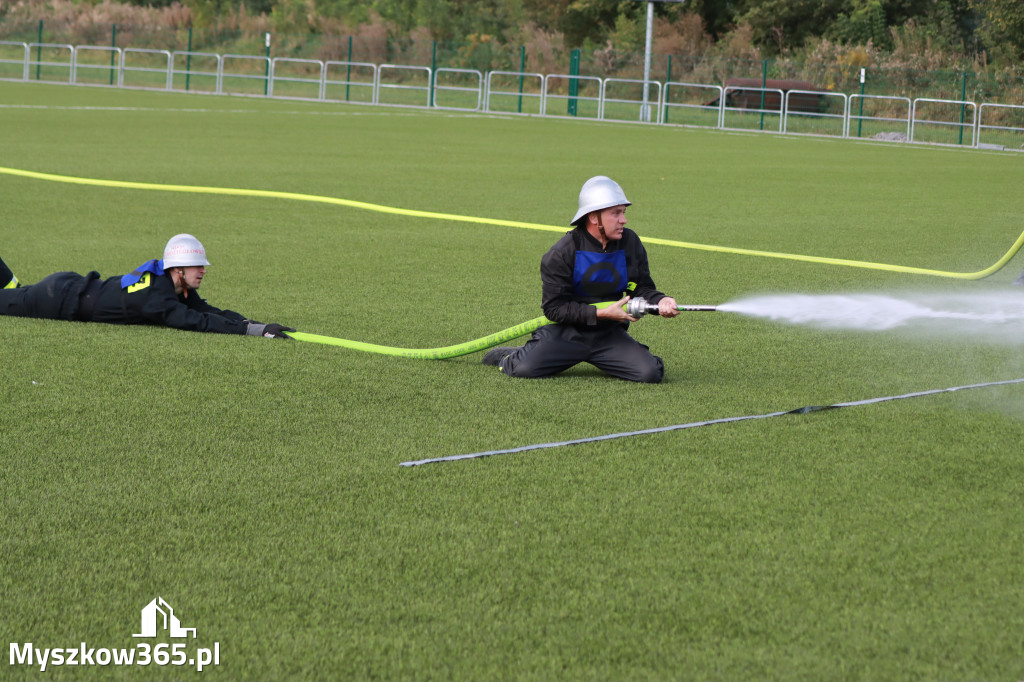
{"points": [[450, 20], [719, 16], [1001, 28], [780, 25], [866, 21], [594, 20]]}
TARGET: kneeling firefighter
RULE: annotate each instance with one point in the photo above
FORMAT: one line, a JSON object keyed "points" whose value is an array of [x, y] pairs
{"points": [[598, 261]]}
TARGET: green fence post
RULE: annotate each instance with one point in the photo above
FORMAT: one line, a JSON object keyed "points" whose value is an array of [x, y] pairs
{"points": [[574, 70], [188, 59], [113, 44], [348, 69], [522, 69], [39, 48], [963, 107], [764, 84], [433, 73]]}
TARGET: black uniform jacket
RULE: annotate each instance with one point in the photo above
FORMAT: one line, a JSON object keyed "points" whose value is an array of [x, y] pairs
{"points": [[562, 302], [153, 301]]}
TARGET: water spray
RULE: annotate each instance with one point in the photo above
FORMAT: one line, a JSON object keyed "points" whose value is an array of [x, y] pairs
{"points": [[978, 314]]}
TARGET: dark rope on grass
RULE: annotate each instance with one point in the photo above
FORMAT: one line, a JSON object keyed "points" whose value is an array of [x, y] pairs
{"points": [[676, 427]]}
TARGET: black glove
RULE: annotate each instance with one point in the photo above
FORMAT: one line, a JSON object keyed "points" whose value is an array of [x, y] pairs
{"points": [[271, 331], [277, 331]]}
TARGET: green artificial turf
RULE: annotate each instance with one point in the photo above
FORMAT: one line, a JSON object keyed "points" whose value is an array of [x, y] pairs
{"points": [[255, 485]]}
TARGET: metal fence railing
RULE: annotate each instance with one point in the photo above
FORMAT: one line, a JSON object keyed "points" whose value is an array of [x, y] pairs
{"points": [[793, 110]]}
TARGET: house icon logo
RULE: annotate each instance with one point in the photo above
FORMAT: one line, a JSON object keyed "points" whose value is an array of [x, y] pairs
{"points": [[150, 621]]}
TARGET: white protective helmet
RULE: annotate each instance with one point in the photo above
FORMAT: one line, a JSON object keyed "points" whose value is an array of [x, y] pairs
{"points": [[599, 192], [183, 250]]}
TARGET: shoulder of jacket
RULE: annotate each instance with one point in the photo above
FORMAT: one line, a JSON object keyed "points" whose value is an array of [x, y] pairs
{"points": [[567, 242]]}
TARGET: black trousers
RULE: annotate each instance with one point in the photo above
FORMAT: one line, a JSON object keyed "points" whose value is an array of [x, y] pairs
{"points": [[5, 274], [54, 297], [557, 347]]}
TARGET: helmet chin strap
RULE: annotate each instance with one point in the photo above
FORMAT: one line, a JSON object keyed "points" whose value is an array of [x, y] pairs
{"points": [[600, 228], [184, 287]]}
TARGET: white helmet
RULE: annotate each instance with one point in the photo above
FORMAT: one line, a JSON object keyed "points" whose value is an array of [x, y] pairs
{"points": [[183, 250], [599, 192]]}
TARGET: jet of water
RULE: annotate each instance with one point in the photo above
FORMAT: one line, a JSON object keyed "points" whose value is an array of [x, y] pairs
{"points": [[1001, 313]]}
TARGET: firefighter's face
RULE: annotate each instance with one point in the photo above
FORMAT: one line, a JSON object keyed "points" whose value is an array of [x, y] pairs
{"points": [[191, 276], [613, 220]]}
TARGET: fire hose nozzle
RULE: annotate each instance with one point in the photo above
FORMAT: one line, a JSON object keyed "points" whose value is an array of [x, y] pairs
{"points": [[638, 307]]}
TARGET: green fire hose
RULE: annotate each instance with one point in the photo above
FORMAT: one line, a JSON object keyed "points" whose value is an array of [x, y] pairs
{"points": [[636, 307], [430, 353]]}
